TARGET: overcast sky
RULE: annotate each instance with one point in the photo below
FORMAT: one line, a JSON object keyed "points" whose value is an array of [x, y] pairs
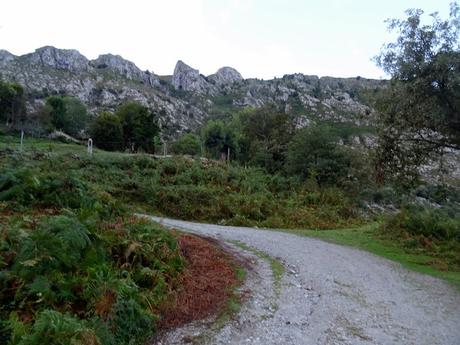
{"points": [[260, 38]]}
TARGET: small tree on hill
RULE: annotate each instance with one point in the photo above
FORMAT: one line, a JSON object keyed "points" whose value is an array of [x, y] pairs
{"points": [[188, 144], [218, 138], [107, 132], [140, 126], [68, 114], [314, 153]]}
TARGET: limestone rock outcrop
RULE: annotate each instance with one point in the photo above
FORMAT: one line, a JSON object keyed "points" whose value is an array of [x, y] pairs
{"points": [[124, 68], [189, 79], [226, 76], [61, 59]]}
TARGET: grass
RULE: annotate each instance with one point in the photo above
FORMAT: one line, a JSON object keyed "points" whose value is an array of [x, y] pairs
{"points": [[276, 266], [369, 238]]}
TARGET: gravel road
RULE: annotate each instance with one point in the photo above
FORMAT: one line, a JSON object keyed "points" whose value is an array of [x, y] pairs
{"points": [[329, 294]]}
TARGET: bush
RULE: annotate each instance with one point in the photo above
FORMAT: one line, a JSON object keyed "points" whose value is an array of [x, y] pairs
{"points": [[313, 153], [437, 223], [68, 114], [188, 144], [107, 132]]}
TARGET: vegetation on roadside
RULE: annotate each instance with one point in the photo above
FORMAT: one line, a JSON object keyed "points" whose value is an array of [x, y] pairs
{"points": [[75, 265]]}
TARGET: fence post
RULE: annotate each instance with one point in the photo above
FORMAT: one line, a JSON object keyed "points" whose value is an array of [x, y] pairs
{"points": [[22, 139], [90, 146]]}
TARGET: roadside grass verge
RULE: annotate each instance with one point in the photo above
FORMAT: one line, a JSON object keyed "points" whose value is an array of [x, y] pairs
{"points": [[276, 266], [370, 238]]}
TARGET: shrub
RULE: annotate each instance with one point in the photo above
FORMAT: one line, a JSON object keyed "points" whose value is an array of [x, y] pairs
{"points": [[188, 144], [107, 132], [313, 153], [438, 223]]}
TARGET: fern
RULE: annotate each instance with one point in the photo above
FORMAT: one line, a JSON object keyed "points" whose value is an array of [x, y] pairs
{"points": [[59, 329]]}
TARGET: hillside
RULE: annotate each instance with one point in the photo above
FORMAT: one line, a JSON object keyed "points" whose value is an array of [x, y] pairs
{"points": [[187, 98]]}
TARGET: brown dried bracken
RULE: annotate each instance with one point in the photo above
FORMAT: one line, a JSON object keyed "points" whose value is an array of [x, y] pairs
{"points": [[206, 283]]}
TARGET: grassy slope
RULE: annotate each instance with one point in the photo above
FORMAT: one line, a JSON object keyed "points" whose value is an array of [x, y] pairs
{"points": [[365, 237]]}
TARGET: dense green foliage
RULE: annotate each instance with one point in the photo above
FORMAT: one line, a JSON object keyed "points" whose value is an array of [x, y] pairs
{"points": [[188, 144], [428, 230], [441, 223], [264, 137], [140, 127], [12, 104], [419, 112], [313, 153], [107, 132], [67, 114], [218, 139], [74, 267]]}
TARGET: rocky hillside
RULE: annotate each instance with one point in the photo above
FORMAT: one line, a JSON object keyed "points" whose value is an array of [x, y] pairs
{"points": [[187, 98]]}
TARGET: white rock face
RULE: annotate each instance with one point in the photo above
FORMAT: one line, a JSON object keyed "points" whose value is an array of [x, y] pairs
{"points": [[189, 79], [63, 59], [226, 76], [6, 57], [124, 68]]}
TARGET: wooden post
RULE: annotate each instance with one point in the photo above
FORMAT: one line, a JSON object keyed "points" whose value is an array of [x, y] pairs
{"points": [[90, 146], [22, 139]]}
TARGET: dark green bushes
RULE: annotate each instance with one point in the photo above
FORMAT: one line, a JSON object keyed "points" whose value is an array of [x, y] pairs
{"points": [[438, 223]]}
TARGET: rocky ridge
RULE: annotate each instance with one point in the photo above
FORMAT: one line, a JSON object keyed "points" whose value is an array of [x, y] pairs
{"points": [[187, 98]]}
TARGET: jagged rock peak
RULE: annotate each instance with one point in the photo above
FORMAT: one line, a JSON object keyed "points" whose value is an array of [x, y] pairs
{"points": [[121, 66], [66, 59], [226, 75], [5, 54], [189, 79], [6, 57]]}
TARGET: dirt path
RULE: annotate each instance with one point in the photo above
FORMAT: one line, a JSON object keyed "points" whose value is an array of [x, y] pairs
{"points": [[328, 294]]}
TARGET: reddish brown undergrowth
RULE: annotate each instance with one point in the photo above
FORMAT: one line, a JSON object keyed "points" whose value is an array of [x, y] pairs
{"points": [[206, 284]]}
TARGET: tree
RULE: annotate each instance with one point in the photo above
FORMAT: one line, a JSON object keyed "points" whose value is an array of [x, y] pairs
{"points": [[67, 114], [188, 144], [218, 138], [107, 132], [265, 135], [140, 126], [420, 110], [314, 153], [12, 104], [57, 112], [77, 115]]}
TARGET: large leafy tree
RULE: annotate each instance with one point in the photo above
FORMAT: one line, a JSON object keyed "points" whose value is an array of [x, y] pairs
{"points": [[218, 139], [314, 153], [420, 110], [107, 132], [140, 126], [68, 114], [264, 137]]}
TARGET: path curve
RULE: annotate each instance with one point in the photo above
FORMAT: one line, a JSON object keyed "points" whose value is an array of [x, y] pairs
{"points": [[333, 294]]}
